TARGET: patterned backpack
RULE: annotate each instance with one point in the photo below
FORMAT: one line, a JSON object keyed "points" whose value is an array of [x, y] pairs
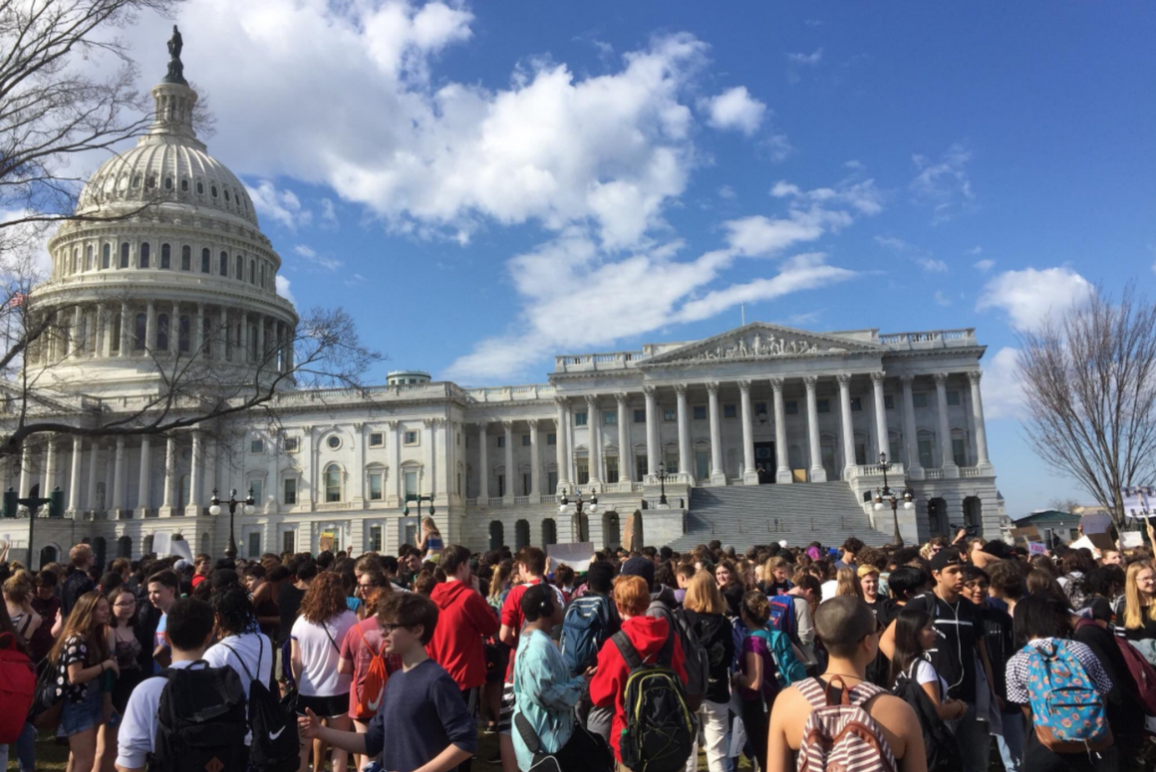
{"points": [[1067, 711], [841, 736]]}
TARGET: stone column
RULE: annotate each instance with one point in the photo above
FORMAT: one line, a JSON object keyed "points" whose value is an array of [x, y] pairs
{"points": [[431, 458], [653, 450], [166, 509], [884, 441], [194, 507], [212, 454], [717, 475], [246, 354], [74, 475], [484, 462], [260, 339], [223, 354], [535, 462], [25, 470], [684, 460], [150, 327], [49, 468], [594, 432], [100, 342], [977, 417], [394, 445], [125, 323], [948, 460], [625, 452], [118, 477], [198, 331], [849, 460], [145, 476], [93, 466], [563, 448], [76, 347], [783, 473], [511, 472], [910, 433], [750, 470], [818, 473], [175, 329]]}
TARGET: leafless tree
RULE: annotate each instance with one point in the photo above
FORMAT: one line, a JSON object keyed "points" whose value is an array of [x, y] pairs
{"points": [[1063, 505], [1090, 382]]}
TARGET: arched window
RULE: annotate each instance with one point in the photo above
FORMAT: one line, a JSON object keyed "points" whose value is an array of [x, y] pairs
{"points": [[144, 255], [521, 534], [240, 268], [88, 258], [124, 547], [139, 332], [151, 182], [206, 258], [226, 194], [183, 336], [186, 258], [162, 332], [332, 483], [166, 257], [224, 260], [497, 535], [253, 272], [76, 260], [213, 190], [184, 186], [200, 188], [263, 286], [106, 256], [206, 336], [124, 255], [168, 183], [926, 442], [136, 181], [549, 532]]}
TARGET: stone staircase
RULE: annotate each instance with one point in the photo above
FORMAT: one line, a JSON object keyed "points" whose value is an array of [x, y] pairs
{"points": [[800, 513]]}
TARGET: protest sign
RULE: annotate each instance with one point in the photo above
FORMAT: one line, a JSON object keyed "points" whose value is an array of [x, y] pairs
{"points": [[1131, 539], [162, 542], [577, 555], [1037, 548]]}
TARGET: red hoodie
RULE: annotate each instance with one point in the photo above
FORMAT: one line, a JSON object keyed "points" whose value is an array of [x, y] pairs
{"points": [[608, 687], [464, 618]]}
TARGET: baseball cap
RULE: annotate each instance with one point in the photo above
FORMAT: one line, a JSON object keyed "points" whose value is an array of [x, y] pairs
{"points": [[944, 558], [639, 566]]}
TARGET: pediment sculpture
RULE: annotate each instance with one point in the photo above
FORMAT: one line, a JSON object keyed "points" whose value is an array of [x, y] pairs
{"points": [[758, 347]]}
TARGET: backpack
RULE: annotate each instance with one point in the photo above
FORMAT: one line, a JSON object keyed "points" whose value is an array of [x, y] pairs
{"points": [[1143, 674], [274, 746], [17, 688], [1067, 711], [696, 663], [938, 741], [369, 696], [48, 696], [200, 721], [783, 616], [584, 630], [842, 735], [790, 669], [659, 729]]}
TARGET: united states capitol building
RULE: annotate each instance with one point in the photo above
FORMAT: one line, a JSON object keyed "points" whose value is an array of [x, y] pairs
{"points": [[756, 434]]}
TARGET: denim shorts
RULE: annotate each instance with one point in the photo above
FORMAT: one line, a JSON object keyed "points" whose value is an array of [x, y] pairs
{"points": [[76, 717]]}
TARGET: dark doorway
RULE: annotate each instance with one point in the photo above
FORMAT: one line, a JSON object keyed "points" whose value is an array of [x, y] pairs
{"points": [[765, 462]]}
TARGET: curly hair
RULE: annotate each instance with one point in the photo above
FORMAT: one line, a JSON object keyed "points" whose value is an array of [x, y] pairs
{"points": [[324, 599]]}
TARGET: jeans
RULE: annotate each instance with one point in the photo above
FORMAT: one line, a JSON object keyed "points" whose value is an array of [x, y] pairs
{"points": [[1011, 742], [25, 750], [713, 717], [974, 739]]}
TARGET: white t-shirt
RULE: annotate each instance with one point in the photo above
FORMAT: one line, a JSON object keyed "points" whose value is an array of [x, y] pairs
{"points": [[829, 589], [925, 673], [245, 647], [138, 727], [319, 646]]}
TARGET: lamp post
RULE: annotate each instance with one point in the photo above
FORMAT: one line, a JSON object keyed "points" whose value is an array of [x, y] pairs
{"points": [[662, 482], [886, 495], [578, 505], [232, 504], [419, 499]]}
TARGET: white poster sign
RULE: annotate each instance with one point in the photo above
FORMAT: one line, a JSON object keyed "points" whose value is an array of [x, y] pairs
{"points": [[577, 555], [1037, 548], [1139, 501], [162, 542], [181, 548], [1131, 539]]}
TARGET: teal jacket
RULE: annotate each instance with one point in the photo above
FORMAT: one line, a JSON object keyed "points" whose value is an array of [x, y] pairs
{"points": [[544, 693]]}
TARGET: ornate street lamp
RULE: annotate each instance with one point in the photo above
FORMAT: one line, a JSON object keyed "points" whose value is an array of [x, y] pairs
{"points": [[886, 495], [662, 482], [419, 499], [232, 504], [578, 502]]}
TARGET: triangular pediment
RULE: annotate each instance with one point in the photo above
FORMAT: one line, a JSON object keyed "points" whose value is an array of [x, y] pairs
{"points": [[762, 341]]}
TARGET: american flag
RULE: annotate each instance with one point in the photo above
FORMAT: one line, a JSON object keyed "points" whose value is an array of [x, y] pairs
{"points": [[17, 300]]}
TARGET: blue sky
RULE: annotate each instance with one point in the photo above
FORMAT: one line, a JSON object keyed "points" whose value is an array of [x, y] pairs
{"points": [[485, 185]]}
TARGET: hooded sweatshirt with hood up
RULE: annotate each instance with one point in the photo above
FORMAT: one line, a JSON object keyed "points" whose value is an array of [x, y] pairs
{"points": [[464, 619], [608, 687]]}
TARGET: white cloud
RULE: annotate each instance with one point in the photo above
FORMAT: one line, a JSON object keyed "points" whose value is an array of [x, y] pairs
{"points": [[328, 213], [310, 254], [281, 205], [1002, 393], [976, 250], [931, 265], [806, 60], [983, 266], [1032, 296], [941, 299], [727, 192], [735, 108], [892, 242], [283, 288], [944, 184]]}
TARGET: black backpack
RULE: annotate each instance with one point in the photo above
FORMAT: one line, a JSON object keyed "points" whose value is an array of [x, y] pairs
{"points": [[274, 745], [659, 727], [938, 741], [200, 721]]}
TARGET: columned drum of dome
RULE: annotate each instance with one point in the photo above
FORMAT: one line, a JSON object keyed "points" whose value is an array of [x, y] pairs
{"points": [[172, 267]]}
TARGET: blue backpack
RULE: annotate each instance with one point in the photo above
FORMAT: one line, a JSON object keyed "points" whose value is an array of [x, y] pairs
{"points": [[1067, 711], [783, 616], [585, 628]]}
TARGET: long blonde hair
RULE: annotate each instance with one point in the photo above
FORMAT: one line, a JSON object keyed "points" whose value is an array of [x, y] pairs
{"points": [[703, 595], [1133, 603], [847, 583]]}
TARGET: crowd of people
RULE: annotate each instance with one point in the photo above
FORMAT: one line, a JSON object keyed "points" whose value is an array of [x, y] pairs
{"points": [[951, 656]]}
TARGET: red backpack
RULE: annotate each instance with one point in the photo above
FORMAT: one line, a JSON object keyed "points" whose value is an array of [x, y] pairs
{"points": [[376, 674], [1143, 674], [17, 688]]}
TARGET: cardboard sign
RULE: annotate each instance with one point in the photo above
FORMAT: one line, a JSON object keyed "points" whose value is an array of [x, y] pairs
{"points": [[1131, 539], [325, 542], [1037, 548], [162, 543], [1101, 541], [628, 536], [1097, 523], [1030, 532], [577, 555]]}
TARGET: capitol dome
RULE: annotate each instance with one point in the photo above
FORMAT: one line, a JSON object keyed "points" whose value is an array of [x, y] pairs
{"points": [[165, 264]]}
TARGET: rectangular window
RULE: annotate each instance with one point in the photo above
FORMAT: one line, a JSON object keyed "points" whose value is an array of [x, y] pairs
{"points": [[256, 446], [551, 482], [526, 483], [959, 451], [551, 439], [919, 399], [583, 465], [410, 484], [255, 544], [791, 407], [953, 398], [671, 463], [257, 486], [501, 441], [501, 485], [290, 490], [376, 439], [860, 453], [609, 417], [612, 469], [410, 438], [669, 414], [374, 538], [640, 416], [856, 404], [700, 412], [375, 486], [729, 411], [640, 467], [289, 541], [525, 440], [580, 419], [925, 452], [889, 401], [290, 444], [823, 405], [702, 464]]}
